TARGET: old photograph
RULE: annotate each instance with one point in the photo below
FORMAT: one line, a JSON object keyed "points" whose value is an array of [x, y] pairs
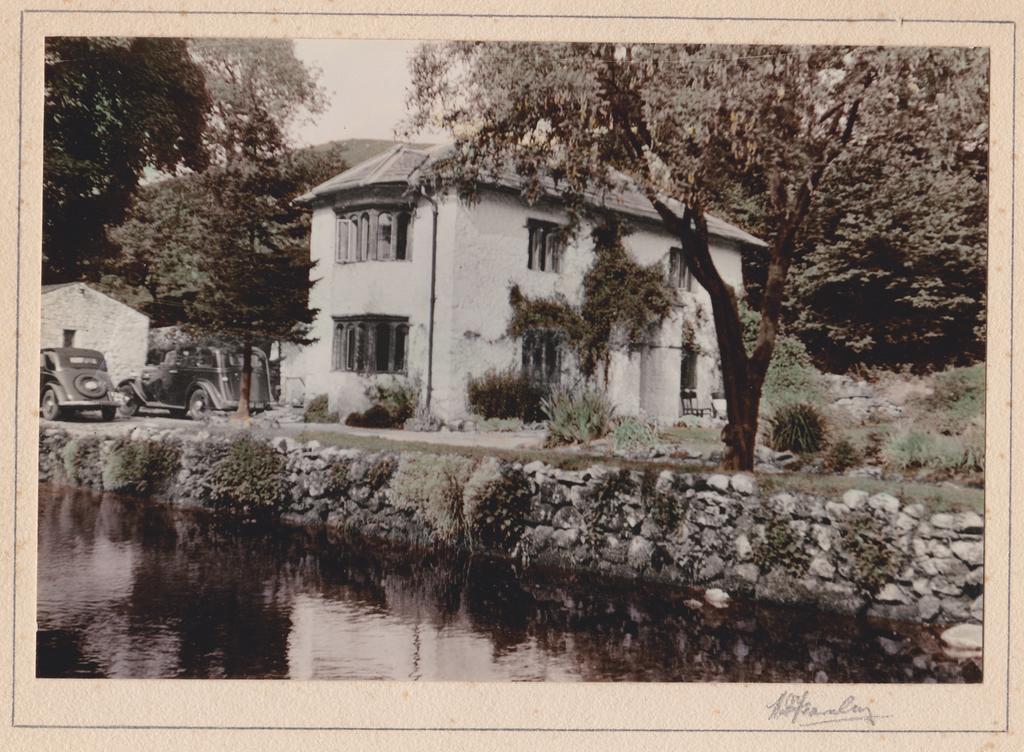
{"points": [[494, 361]]}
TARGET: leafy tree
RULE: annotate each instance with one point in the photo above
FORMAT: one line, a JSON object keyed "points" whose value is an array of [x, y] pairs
{"points": [[684, 122], [254, 266], [112, 108], [161, 243]]}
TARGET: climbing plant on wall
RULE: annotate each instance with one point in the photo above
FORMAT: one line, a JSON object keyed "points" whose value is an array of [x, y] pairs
{"points": [[620, 298]]}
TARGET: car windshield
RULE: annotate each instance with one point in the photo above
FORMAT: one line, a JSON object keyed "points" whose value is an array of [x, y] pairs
{"points": [[84, 361]]}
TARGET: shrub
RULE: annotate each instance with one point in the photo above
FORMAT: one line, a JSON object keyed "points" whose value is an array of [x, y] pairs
{"points": [[872, 559], [936, 451], [495, 505], [249, 478], [316, 411], [798, 427], [842, 455], [82, 461], [434, 484], [577, 416], [376, 416], [140, 467], [630, 433], [381, 472], [791, 377], [400, 398], [506, 394]]}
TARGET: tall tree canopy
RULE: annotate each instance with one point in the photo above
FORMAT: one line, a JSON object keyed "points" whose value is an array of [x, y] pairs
{"points": [[691, 122], [112, 107], [254, 266]]}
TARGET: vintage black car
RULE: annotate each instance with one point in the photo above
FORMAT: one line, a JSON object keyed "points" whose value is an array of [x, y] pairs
{"points": [[196, 380], [72, 379]]}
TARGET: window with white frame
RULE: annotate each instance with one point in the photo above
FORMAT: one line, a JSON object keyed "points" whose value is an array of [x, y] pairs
{"points": [[372, 235], [678, 272], [545, 248], [370, 344], [542, 356]]}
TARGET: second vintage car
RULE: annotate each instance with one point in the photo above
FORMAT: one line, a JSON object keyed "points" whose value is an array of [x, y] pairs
{"points": [[196, 380]]}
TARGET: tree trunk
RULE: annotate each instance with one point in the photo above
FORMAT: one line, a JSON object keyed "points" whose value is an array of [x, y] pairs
{"points": [[245, 385]]}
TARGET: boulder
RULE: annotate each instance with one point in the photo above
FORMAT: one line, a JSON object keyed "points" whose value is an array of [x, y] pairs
{"points": [[928, 607], [719, 482], [822, 567], [883, 502], [639, 552], [743, 548], [743, 483], [969, 522], [892, 593], [717, 598], [748, 572], [854, 498], [969, 552], [963, 637]]}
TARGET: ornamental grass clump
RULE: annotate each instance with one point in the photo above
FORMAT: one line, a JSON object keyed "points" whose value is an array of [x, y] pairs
{"points": [[797, 428], [577, 416], [433, 484]]}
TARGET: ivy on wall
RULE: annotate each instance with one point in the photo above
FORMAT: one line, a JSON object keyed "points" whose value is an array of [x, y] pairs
{"points": [[619, 296]]}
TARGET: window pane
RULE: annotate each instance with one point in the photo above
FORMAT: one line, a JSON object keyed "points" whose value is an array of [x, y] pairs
{"points": [[400, 338], [542, 245], [382, 347], [341, 242], [353, 239], [531, 248], [364, 236], [361, 347], [554, 252], [353, 347], [401, 234], [384, 237]]}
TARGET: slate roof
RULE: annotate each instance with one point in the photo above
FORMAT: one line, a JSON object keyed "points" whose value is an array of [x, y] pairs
{"points": [[404, 164]]}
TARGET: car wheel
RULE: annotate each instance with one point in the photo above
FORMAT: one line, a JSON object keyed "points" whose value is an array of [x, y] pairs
{"points": [[49, 406], [198, 405], [108, 413], [130, 406]]}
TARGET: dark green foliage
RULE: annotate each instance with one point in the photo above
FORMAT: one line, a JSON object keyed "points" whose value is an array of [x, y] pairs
{"points": [[338, 480], [666, 509], [797, 428], [780, 548], [619, 296], [792, 376], [380, 473], [82, 464], [375, 416], [872, 559], [249, 478], [316, 411], [399, 398], [842, 455], [506, 394], [496, 508], [140, 467], [113, 106]]}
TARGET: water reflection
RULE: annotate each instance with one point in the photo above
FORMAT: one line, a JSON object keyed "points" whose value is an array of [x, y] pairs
{"points": [[128, 589]]}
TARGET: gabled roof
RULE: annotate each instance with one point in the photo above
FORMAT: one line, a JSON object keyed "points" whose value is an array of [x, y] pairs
{"points": [[406, 164]]}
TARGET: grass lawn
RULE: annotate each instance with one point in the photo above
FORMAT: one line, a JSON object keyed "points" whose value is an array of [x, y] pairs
{"points": [[936, 498]]}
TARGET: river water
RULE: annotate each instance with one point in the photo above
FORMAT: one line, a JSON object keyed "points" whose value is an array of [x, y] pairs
{"points": [[129, 588]]}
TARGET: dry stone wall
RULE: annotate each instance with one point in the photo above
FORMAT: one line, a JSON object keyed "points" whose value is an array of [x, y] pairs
{"points": [[853, 553]]}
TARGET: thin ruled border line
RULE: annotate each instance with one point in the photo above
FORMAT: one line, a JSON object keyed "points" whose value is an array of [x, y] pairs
{"points": [[410, 14]]}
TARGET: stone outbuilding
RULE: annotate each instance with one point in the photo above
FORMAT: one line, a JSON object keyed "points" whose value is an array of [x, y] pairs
{"points": [[415, 286], [76, 315]]}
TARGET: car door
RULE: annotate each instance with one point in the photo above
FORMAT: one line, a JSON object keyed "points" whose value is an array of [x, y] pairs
{"points": [[155, 378], [179, 376]]}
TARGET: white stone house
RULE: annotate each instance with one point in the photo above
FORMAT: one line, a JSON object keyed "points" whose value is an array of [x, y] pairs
{"points": [[415, 286], [76, 315]]}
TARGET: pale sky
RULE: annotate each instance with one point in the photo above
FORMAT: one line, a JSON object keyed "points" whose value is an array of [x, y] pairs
{"points": [[365, 83]]}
